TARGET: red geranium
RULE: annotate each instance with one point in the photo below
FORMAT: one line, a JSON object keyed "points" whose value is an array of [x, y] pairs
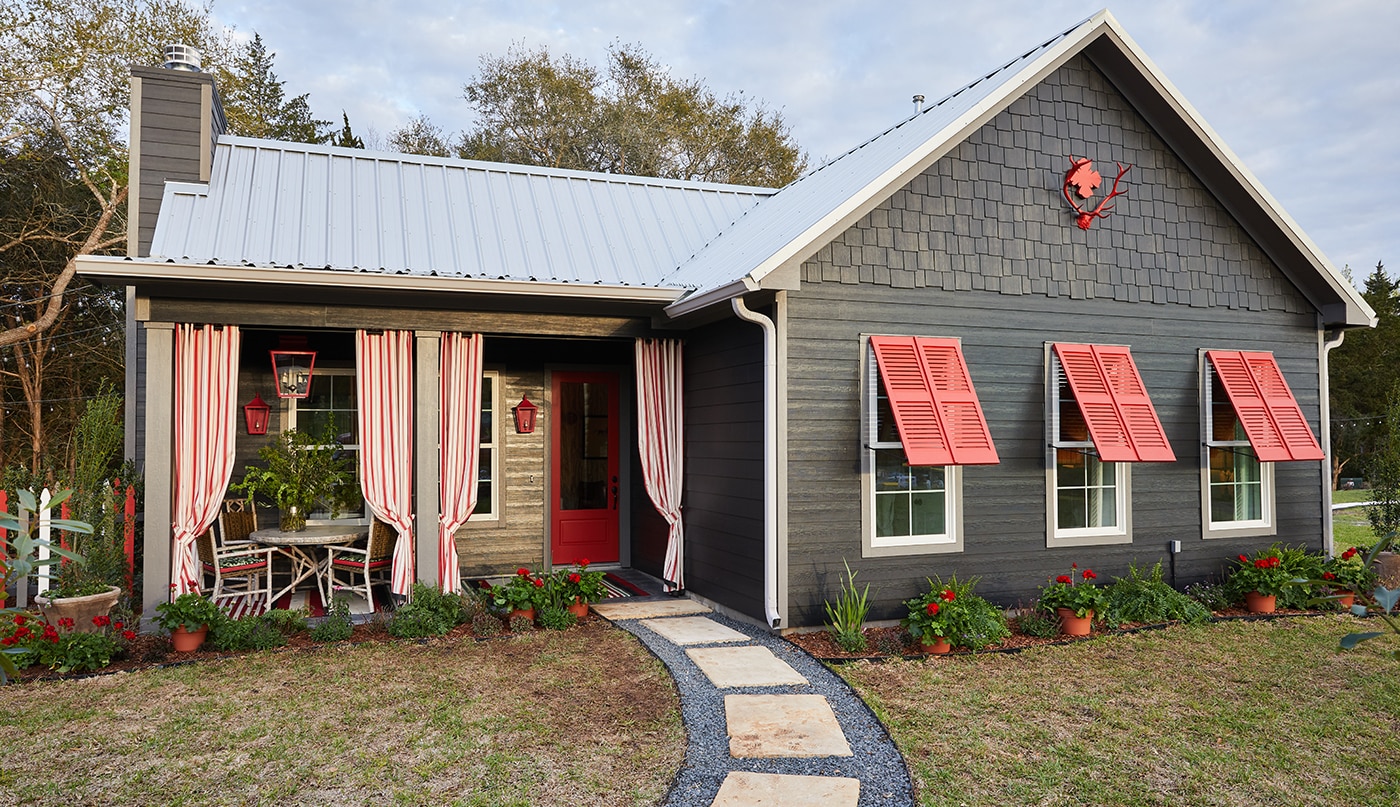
{"points": [[575, 577], [583, 561], [19, 619], [1088, 574], [101, 620], [932, 608], [65, 622], [948, 595], [523, 572], [129, 635], [539, 583], [1328, 576], [1064, 578]]}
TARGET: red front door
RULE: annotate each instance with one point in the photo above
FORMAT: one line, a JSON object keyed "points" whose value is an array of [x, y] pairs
{"points": [[583, 468]]}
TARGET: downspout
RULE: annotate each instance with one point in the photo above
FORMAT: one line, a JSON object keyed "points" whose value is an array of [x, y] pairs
{"points": [[770, 458], [1328, 342]]}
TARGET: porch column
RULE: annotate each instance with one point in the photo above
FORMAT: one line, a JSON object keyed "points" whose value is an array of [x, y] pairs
{"points": [[160, 397], [425, 451]]}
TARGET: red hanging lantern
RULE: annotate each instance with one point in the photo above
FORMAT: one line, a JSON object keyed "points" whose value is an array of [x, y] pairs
{"points": [[255, 415], [524, 416], [292, 364]]}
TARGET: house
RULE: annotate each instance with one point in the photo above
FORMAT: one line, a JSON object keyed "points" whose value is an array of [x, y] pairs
{"points": [[950, 350]]}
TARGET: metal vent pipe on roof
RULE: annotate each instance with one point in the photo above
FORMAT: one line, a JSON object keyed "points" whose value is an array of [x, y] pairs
{"points": [[918, 104], [182, 57]]}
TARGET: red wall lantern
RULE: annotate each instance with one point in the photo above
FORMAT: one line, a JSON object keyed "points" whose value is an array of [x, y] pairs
{"points": [[292, 364], [255, 415], [524, 416]]}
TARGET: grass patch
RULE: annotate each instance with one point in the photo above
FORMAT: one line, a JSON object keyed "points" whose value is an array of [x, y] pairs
{"points": [[1349, 496], [584, 716], [1230, 714]]}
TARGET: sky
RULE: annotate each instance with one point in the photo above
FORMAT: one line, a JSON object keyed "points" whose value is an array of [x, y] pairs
{"points": [[1300, 90]]}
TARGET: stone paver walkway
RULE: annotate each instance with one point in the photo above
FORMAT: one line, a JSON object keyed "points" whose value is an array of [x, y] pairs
{"points": [[767, 724]]}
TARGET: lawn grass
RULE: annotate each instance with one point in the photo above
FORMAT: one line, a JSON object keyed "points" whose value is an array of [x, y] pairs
{"points": [[1350, 496], [584, 716], [1231, 714]]}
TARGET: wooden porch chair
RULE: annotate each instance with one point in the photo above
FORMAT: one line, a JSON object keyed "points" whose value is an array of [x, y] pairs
{"points": [[237, 520], [357, 567], [240, 568]]}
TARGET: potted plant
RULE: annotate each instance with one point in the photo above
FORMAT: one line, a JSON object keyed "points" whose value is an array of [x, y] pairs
{"points": [[579, 587], [1347, 574], [520, 595], [187, 619], [1259, 580], [1074, 601], [301, 472], [951, 615]]}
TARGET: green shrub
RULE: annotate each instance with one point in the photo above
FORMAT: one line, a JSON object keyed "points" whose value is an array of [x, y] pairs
{"points": [[335, 625], [952, 611], [1211, 595], [556, 618], [1146, 598], [288, 622], [520, 624], [483, 624], [246, 633], [846, 619], [1039, 623], [430, 612], [1300, 564]]}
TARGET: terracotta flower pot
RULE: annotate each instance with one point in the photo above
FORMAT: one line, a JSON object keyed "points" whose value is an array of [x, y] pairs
{"points": [[937, 648], [578, 608], [1071, 625], [188, 641], [528, 613], [79, 609], [1345, 599], [1260, 603]]}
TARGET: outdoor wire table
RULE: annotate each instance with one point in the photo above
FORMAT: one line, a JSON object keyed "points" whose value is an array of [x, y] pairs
{"points": [[298, 547]]}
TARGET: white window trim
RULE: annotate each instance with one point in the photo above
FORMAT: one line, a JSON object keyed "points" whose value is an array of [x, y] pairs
{"points": [[495, 513], [1229, 529], [871, 546], [292, 404], [1122, 533]]}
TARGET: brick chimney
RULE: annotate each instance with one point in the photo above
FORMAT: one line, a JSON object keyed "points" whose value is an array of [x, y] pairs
{"points": [[176, 118]]}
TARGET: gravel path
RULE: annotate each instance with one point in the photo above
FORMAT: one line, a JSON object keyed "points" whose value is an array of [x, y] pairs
{"points": [[876, 762]]}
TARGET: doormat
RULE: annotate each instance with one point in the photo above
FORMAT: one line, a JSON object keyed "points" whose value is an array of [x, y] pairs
{"points": [[617, 587]]}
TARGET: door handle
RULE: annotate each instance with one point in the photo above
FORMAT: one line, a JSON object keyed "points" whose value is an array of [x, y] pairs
{"points": [[614, 493]]}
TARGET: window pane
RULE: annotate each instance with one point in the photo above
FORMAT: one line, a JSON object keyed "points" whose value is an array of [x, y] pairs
{"points": [[1073, 429], [928, 513], [926, 477], [484, 492], [891, 471], [1069, 464], [321, 395], [1069, 506], [1236, 485], [583, 446], [891, 514]]}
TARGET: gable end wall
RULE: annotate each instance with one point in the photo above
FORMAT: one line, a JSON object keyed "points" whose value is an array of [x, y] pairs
{"points": [[983, 247]]}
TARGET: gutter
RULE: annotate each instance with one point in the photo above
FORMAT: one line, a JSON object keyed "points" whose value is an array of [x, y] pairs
{"points": [[770, 459], [719, 294], [1329, 340], [127, 270]]}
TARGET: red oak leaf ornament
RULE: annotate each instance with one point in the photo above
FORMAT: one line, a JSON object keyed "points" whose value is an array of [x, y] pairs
{"points": [[1084, 180]]}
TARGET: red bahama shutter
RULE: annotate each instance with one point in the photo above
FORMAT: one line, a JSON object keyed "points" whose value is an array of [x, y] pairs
{"points": [[935, 407], [1122, 423], [1265, 405]]}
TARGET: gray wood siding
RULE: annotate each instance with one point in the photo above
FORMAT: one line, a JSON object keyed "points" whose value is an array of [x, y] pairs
{"points": [[983, 247], [170, 134], [723, 507]]}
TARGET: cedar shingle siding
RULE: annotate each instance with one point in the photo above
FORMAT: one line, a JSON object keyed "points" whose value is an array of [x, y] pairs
{"points": [[983, 247]]}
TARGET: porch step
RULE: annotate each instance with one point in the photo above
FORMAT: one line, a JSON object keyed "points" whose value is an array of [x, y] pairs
{"points": [[648, 609]]}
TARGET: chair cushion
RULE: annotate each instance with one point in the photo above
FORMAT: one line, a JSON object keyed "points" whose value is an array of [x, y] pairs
{"points": [[229, 564], [347, 563]]}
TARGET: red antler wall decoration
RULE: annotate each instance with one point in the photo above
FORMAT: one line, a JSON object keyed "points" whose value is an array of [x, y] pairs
{"points": [[1085, 180]]}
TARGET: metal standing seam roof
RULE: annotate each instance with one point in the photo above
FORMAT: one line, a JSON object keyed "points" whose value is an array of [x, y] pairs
{"points": [[275, 204]]}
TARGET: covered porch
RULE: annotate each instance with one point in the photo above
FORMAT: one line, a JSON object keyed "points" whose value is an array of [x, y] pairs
{"points": [[573, 487]]}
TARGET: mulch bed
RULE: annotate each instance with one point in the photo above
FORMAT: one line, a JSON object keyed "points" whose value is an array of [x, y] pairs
{"points": [[153, 650], [895, 642]]}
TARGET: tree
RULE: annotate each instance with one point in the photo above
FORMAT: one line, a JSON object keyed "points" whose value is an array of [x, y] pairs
{"points": [[562, 112], [1362, 373], [64, 87], [347, 138], [255, 102], [420, 136]]}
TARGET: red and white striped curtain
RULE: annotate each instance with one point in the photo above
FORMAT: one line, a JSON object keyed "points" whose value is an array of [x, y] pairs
{"points": [[660, 434], [459, 447], [384, 383], [206, 406]]}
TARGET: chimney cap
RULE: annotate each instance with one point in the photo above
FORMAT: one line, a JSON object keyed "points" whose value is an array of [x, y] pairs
{"points": [[182, 57], [918, 103]]}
